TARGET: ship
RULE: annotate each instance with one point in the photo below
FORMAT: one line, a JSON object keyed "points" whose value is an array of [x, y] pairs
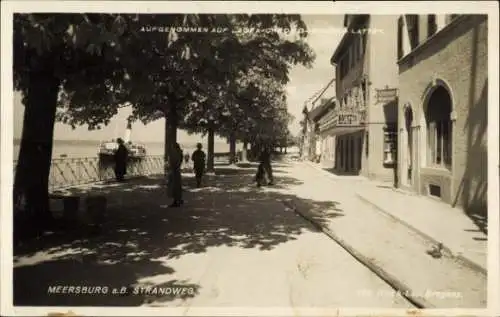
{"points": [[106, 150]]}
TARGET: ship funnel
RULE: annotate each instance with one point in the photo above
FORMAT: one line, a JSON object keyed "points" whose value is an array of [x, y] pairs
{"points": [[128, 132]]}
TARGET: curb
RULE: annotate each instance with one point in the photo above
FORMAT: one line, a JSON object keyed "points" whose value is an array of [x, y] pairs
{"points": [[393, 282], [462, 259]]}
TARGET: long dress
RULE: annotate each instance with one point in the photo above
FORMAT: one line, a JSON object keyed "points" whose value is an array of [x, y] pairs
{"points": [[121, 156], [175, 176]]}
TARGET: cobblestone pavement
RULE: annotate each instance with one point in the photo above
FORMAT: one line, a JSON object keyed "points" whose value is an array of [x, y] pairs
{"points": [[442, 283], [232, 244]]}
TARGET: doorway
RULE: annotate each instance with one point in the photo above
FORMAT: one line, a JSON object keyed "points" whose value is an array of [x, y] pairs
{"points": [[407, 162]]}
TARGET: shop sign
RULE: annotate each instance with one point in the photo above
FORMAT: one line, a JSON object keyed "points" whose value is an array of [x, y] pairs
{"points": [[386, 95], [341, 118], [346, 119]]}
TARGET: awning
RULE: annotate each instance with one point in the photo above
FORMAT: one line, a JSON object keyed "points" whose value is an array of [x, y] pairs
{"points": [[341, 130]]}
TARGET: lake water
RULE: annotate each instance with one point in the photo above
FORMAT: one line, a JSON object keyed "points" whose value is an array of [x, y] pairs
{"points": [[86, 148]]}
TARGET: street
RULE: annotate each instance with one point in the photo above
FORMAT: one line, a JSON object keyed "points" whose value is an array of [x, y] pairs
{"points": [[232, 244]]}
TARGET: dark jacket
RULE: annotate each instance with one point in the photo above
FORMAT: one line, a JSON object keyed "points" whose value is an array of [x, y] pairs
{"points": [[198, 158], [265, 156], [177, 158]]}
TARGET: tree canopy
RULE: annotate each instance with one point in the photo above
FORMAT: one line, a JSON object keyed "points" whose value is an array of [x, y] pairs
{"points": [[228, 69]]}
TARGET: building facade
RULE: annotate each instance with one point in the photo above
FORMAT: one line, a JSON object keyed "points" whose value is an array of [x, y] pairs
{"points": [[324, 153], [314, 109], [443, 80], [363, 125]]}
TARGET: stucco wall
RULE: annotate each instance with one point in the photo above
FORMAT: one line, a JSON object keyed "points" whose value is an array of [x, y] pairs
{"points": [[382, 71], [458, 58]]}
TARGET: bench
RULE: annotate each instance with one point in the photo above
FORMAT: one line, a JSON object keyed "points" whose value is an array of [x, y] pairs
{"points": [[71, 205], [89, 210]]}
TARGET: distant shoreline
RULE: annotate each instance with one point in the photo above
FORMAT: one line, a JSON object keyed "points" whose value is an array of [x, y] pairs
{"points": [[89, 148], [96, 142], [17, 141]]}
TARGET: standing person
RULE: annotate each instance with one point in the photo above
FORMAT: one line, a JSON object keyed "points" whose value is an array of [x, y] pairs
{"points": [[264, 168], [121, 157], [175, 176], [266, 163], [198, 159]]}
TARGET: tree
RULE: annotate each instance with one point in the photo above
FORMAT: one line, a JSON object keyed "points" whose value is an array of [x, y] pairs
{"points": [[66, 60], [92, 64], [261, 52]]}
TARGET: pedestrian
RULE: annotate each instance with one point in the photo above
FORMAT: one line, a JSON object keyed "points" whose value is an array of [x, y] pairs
{"points": [[266, 164], [175, 176], [198, 159], [264, 169], [121, 157]]}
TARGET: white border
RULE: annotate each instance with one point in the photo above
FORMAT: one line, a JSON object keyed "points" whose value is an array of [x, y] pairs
{"points": [[313, 7]]}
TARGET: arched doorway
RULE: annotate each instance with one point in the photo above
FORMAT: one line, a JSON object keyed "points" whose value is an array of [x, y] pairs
{"points": [[439, 129]]}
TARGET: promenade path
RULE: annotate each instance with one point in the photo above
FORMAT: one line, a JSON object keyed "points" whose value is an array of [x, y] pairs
{"points": [[230, 245]]}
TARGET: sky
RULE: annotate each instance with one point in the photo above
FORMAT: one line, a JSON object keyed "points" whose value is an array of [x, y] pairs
{"points": [[324, 34]]}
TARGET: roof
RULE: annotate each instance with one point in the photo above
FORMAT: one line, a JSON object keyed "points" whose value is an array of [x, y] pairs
{"points": [[316, 113], [340, 48]]}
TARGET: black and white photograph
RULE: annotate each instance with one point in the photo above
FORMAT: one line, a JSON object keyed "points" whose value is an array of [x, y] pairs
{"points": [[249, 158]]}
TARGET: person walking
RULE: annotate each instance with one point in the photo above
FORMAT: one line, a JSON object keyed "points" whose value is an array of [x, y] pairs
{"points": [[121, 157], [186, 160], [264, 169], [198, 159], [266, 162], [175, 176]]}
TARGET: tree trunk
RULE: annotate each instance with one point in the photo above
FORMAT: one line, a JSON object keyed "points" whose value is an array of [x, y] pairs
{"points": [[244, 152], [285, 149], [31, 183], [166, 149], [170, 140], [210, 150], [232, 149]]}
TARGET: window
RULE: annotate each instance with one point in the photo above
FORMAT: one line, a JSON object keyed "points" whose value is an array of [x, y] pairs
{"points": [[341, 153], [360, 46], [439, 129], [400, 38], [352, 152], [431, 25], [355, 51], [412, 24], [367, 145], [341, 69], [352, 51], [344, 65], [390, 145], [364, 41]]}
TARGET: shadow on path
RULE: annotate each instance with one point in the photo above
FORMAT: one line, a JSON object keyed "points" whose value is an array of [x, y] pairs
{"points": [[141, 235]]}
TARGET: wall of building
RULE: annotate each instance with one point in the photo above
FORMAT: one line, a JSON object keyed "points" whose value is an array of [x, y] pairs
{"points": [[342, 84], [457, 57], [328, 151], [382, 71]]}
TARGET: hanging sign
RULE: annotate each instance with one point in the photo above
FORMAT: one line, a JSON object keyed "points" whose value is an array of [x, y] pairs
{"points": [[386, 95]]}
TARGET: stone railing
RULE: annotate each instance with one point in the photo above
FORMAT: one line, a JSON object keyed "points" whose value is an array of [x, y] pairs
{"points": [[66, 172]]}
